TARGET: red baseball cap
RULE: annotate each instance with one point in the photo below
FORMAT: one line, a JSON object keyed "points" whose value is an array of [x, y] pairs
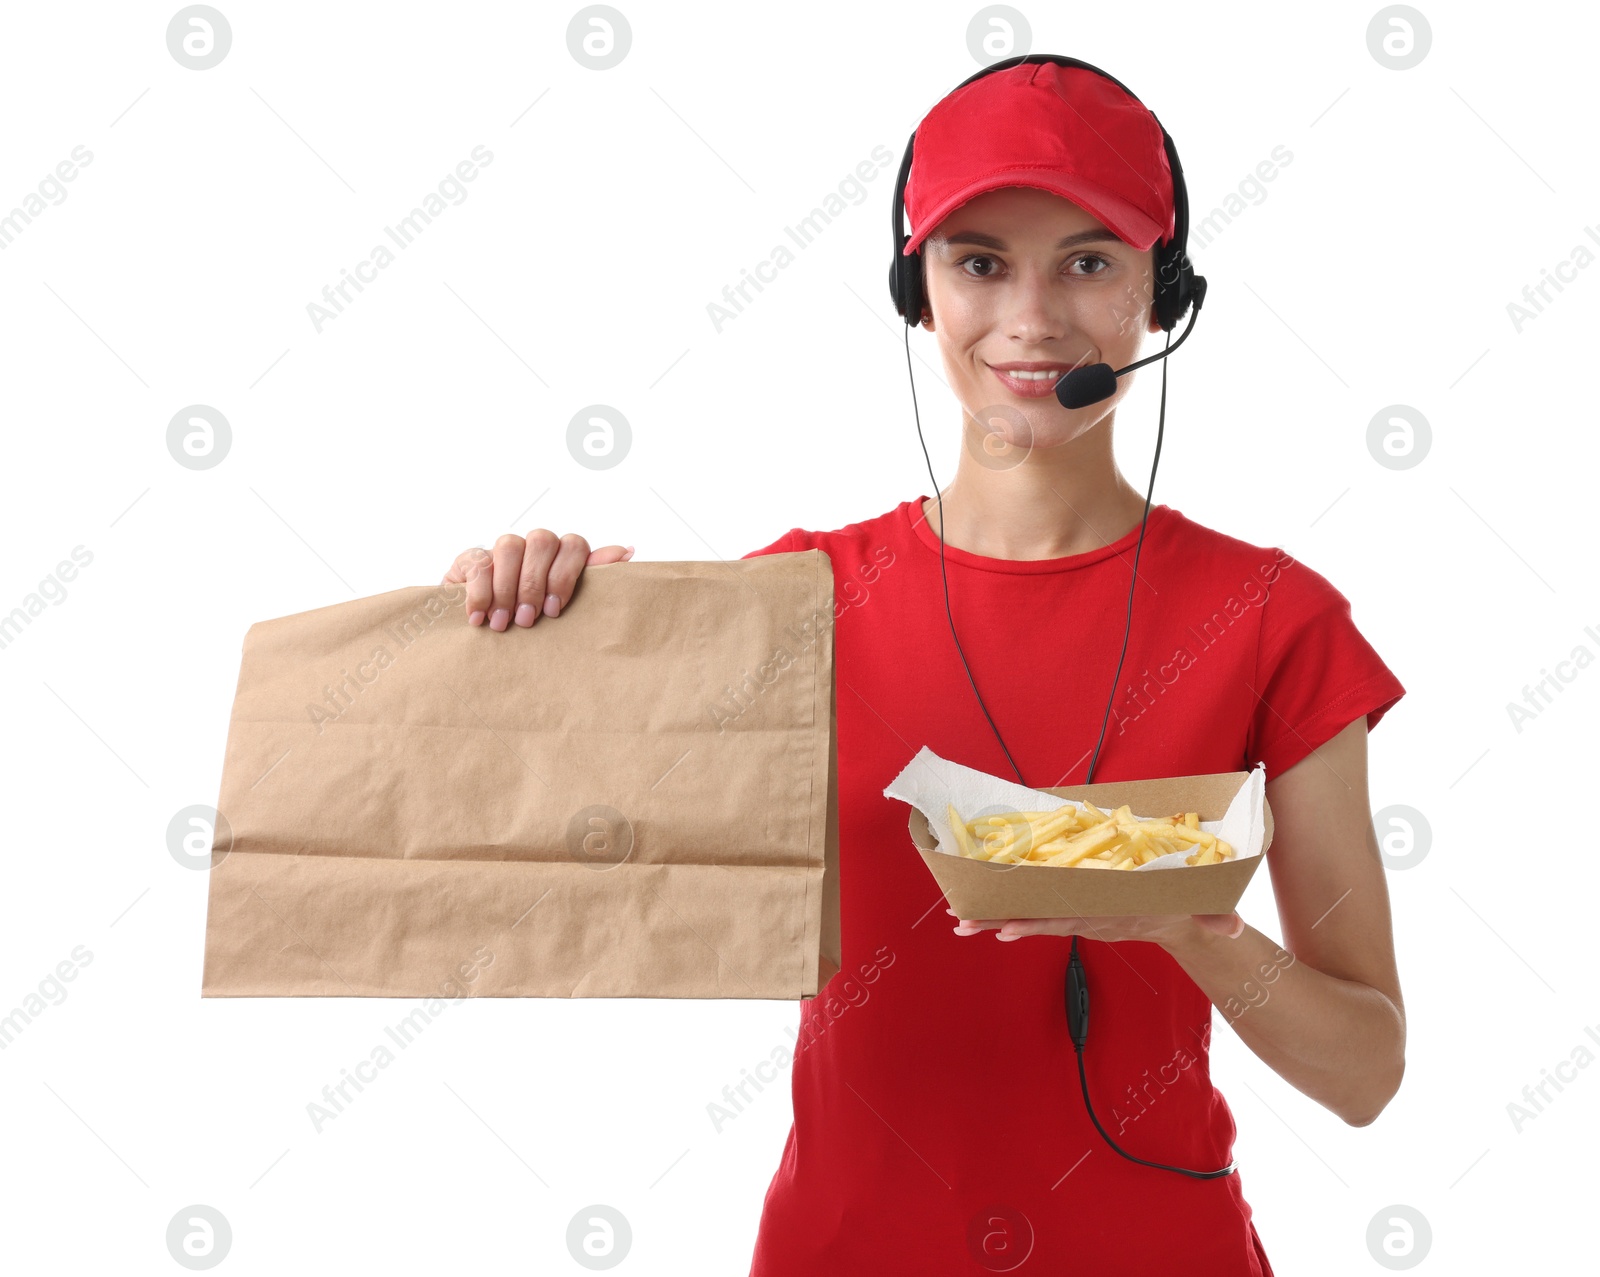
{"points": [[1058, 128]]}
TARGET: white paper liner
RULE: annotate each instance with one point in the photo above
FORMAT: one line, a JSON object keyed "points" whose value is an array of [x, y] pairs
{"points": [[929, 783]]}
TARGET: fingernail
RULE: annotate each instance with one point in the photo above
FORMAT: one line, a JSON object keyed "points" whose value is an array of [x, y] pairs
{"points": [[629, 553], [525, 614], [475, 619], [499, 619], [552, 605]]}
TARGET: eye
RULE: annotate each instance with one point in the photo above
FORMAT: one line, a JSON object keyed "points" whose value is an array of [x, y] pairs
{"points": [[1094, 257], [977, 257]]}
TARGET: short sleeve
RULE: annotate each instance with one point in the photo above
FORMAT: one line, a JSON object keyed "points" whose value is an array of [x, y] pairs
{"points": [[1315, 671], [789, 541]]}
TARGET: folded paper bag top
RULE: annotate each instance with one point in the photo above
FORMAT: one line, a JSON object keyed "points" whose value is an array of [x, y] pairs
{"points": [[1232, 805], [637, 798]]}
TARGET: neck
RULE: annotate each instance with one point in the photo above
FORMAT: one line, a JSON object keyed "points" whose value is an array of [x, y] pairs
{"points": [[1053, 502]]}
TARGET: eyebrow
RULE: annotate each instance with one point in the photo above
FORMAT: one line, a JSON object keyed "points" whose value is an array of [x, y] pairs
{"points": [[1098, 235]]}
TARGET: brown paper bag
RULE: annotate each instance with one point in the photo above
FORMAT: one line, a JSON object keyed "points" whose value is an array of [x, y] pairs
{"points": [[636, 798]]}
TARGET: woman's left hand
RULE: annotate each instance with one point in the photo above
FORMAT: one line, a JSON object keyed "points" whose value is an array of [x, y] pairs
{"points": [[1167, 930]]}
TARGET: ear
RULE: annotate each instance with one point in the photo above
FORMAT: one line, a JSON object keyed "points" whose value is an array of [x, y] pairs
{"points": [[927, 319], [1154, 326]]}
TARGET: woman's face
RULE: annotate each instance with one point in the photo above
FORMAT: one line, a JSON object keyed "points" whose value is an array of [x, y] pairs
{"points": [[1020, 280]]}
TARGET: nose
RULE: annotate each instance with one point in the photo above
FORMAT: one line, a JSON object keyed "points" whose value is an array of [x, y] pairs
{"points": [[1037, 311]]}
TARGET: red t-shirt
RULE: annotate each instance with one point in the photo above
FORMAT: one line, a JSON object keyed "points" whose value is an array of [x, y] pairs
{"points": [[938, 1116]]}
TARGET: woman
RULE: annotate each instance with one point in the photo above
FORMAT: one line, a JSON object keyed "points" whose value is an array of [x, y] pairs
{"points": [[938, 1122]]}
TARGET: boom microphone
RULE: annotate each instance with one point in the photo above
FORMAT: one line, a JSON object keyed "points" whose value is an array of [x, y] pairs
{"points": [[1094, 382]]}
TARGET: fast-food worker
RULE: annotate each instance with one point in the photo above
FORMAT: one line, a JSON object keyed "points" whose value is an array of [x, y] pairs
{"points": [[939, 1127], [938, 1122]]}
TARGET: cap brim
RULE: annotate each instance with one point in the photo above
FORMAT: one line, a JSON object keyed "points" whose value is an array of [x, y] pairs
{"points": [[1121, 218]]}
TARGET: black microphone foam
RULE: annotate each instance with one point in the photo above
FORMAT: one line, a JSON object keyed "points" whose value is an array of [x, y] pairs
{"points": [[1084, 386]]}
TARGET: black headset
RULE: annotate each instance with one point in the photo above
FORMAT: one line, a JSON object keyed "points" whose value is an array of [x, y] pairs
{"points": [[1176, 287]]}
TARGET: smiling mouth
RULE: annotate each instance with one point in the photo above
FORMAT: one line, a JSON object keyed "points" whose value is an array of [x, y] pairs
{"points": [[1030, 383]]}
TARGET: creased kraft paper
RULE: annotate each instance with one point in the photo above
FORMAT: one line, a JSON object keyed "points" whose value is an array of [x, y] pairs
{"points": [[637, 798]]}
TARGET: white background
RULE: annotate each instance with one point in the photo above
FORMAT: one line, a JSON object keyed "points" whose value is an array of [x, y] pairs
{"points": [[431, 416]]}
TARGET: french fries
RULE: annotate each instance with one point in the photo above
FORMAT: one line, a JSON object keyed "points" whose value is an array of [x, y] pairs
{"points": [[1084, 837]]}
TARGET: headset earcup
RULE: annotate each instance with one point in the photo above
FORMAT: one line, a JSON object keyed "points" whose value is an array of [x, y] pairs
{"points": [[913, 288], [1172, 289], [905, 287]]}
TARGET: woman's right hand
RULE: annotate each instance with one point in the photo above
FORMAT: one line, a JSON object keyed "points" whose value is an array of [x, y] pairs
{"points": [[523, 578]]}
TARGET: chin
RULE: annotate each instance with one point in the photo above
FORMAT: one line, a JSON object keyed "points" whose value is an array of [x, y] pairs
{"points": [[1022, 426]]}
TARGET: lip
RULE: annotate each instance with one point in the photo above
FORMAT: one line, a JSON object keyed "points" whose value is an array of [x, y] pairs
{"points": [[1030, 388]]}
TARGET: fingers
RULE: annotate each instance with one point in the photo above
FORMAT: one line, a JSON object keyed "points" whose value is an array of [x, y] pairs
{"points": [[508, 566], [1014, 928], [971, 926], [465, 565], [524, 578], [571, 558], [610, 554], [471, 567], [529, 585], [1146, 927]]}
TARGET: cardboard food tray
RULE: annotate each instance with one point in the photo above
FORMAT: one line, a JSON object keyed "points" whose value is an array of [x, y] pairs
{"points": [[978, 889]]}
